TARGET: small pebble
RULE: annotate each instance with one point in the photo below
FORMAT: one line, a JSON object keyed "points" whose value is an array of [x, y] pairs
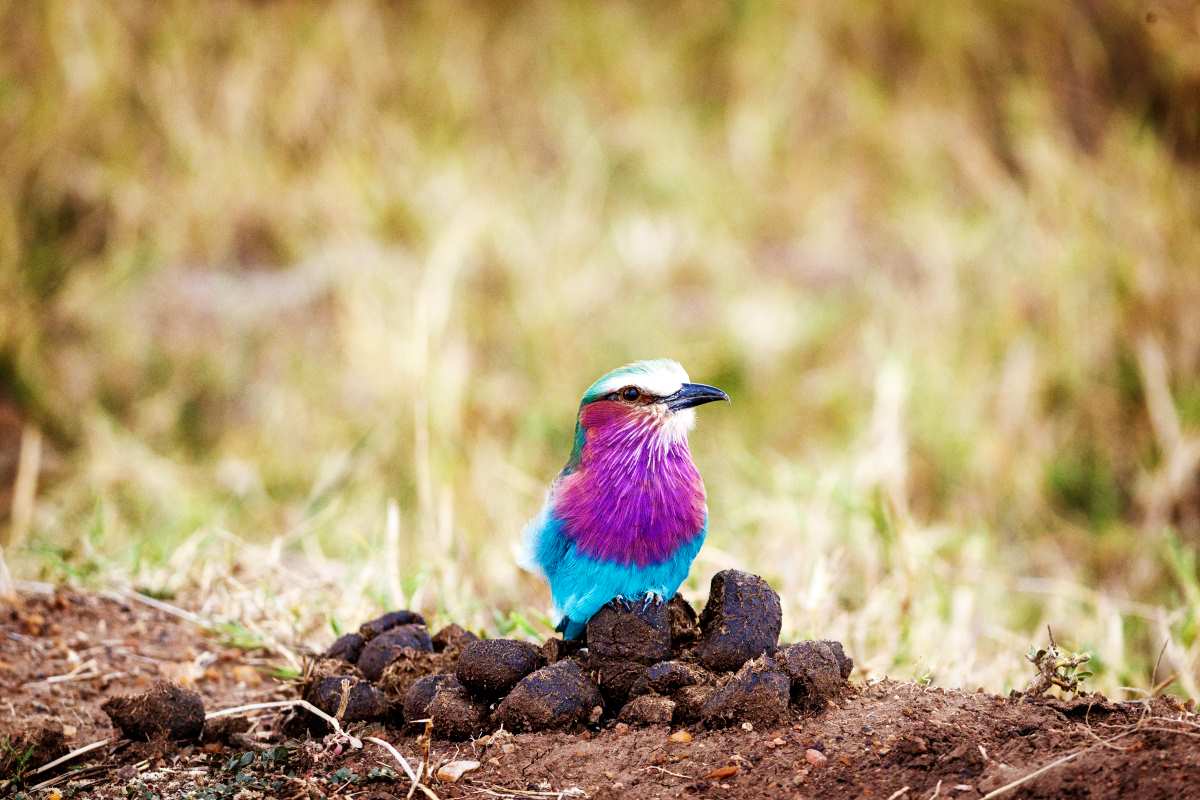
{"points": [[450, 773], [682, 737], [815, 757]]}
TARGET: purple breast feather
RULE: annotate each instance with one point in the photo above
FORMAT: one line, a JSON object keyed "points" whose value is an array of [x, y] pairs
{"points": [[635, 498]]}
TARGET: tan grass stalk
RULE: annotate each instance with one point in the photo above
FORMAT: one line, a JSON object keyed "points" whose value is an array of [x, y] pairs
{"points": [[29, 464], [408, 770], [354, 741]]}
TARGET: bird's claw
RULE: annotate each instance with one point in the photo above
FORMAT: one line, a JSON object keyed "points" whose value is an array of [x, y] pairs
{"points": [[651, 597]]}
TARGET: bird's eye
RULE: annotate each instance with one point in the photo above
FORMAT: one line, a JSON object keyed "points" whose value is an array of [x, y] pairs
{"points": [[630, 393]]}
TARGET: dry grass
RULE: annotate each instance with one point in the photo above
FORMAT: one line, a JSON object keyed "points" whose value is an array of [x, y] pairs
{"points": [[270, 269]]}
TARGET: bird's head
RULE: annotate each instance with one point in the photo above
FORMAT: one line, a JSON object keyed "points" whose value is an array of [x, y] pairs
{"points": [[652, 399]]}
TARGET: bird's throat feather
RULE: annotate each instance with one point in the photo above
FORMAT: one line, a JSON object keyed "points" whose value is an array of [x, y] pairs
{"points": [[635, 497]]}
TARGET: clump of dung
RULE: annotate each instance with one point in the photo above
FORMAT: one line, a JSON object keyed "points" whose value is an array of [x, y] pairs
{"points": [[641, 663], [164, 711]]}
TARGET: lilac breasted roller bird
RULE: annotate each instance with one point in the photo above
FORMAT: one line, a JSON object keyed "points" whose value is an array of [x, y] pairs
{"points": [[627, 514]]}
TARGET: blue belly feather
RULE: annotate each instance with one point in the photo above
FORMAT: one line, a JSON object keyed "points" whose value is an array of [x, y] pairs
{"points": [[581, 584]]}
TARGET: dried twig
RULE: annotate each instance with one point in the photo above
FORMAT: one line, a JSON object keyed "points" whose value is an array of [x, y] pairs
{"points": [[29, 462], [167, 608], [510, 794], [426, 763], [74, 777], [87, 748], [354, 742], [408, 770]]}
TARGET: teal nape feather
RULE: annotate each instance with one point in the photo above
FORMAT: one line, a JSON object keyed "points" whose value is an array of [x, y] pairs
{"points": [[627, 515]]}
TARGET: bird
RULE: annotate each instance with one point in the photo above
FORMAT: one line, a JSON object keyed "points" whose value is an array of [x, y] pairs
{"points": [[628, 513]]}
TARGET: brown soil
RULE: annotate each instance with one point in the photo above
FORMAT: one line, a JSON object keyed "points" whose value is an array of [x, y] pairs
{"points": [[874, 741]]}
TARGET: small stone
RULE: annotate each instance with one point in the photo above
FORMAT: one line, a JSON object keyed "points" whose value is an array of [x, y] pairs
{"points": [[680, 737], [554, 697], [362, 700], [164, 711], [621, 728], [740, 621], [757, 694], [456, 715], [450, 773], [748, 727], [386, 647], [638, 631], [666, 677], [489, 668], [815, 757], [393, 619], [648, 709], [347, 647], [421, 694], [723, 772]]}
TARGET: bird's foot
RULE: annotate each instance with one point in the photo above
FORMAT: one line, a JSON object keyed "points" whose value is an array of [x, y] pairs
{"points": [[650, 597]]}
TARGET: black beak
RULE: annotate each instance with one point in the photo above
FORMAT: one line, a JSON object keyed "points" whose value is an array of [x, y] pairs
{"points": [[693, 394]]}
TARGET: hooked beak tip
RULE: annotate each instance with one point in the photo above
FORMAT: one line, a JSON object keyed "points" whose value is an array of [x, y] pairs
{"points": [[695, 394]]}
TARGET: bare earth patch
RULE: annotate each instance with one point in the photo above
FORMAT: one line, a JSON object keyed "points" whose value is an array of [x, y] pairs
{"points": [[63, 656]]}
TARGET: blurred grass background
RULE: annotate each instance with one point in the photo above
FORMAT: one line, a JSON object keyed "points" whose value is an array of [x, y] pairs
{"points": [[297, 301]]}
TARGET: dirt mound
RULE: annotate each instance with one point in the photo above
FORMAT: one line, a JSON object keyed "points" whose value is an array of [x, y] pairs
{"points": [[63, 655], [646, 663]]}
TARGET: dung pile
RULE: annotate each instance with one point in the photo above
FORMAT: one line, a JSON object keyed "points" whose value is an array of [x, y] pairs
{"points": [[644, 663]]}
